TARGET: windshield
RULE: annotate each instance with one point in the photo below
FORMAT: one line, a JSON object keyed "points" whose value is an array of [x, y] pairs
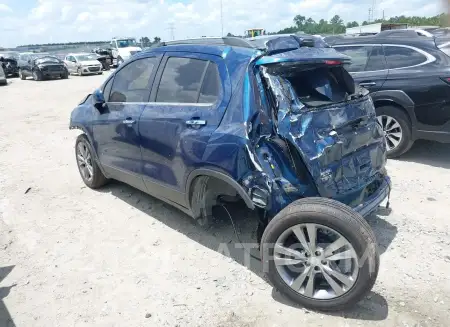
{"points": [[126, 43], [41, 59], [85, 57]]}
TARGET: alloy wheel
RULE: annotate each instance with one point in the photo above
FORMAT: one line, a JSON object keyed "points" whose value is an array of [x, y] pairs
{"points": [[316, 261], [84, 160], [392, 130]]}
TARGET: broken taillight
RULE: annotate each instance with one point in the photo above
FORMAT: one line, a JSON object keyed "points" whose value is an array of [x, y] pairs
{"points": [[446, 79]]}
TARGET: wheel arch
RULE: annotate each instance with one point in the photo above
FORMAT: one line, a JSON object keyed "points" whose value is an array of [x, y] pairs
{"points": [[398, 99], [221, 176], [84, 130]]}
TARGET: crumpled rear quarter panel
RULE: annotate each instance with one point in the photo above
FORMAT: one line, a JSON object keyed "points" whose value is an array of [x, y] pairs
{"points": [[342, 144]]}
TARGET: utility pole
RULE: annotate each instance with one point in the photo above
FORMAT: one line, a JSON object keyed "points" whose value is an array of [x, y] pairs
{"points": [[171, 28], [221, 16], [370, 15]]}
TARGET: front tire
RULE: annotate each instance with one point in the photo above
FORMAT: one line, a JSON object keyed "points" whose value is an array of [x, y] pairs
{"points": [[119, 61], [320, 254], [90, 172], [396, 125], [37, 75]]}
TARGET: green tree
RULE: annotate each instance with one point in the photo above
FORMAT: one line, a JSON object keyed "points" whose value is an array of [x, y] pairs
{"points": [[336, 20]]}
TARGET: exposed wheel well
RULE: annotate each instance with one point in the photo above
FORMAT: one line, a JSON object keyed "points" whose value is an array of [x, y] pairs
{"points": [[208, 190]]}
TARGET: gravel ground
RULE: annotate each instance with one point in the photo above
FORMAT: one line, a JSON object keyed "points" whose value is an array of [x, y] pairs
{"points": [[71, 256]]}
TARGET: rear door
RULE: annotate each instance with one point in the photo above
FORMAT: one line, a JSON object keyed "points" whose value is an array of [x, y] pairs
{"points": [[116, 129], [368, 67], [188, 102]]}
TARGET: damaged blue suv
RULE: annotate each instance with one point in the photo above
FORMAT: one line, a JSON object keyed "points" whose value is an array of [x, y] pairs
{"points": [[281, 127]]}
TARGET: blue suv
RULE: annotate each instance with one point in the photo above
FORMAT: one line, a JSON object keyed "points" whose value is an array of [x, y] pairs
{"points": [[280, 126]]}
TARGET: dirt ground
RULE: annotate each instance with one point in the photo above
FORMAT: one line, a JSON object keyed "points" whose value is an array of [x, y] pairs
{"points": [[71, 256]]}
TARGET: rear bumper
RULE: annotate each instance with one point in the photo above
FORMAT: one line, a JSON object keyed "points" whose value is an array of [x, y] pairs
{"points": [[373, 202]]}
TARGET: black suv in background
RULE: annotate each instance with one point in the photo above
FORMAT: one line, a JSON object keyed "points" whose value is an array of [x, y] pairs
{"points": [[408, 76]]}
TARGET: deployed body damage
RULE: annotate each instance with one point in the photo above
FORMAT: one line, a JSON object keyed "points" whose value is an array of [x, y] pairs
{"points": [[293, 151]]}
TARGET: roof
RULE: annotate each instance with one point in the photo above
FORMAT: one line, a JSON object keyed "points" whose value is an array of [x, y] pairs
{"points": [[388, 37]]}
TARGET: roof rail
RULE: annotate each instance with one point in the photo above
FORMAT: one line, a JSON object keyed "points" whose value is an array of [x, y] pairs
{"points": [[230, 41], [399, 33]]}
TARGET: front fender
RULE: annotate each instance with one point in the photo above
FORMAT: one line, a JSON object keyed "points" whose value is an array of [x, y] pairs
{"points": [[81, 119]]}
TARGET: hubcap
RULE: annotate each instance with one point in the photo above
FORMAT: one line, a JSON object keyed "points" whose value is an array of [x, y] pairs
{"points": [[316, 261], [392, 130], [84, 161]]}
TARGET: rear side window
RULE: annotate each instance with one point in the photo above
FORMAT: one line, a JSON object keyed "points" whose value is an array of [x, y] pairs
{"points": [[181, 80], [399, 57], [210, 90], [360, 56], [132, 83], [376, 60]]}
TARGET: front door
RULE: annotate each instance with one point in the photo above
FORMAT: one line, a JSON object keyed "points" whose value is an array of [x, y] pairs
{"points": [[189, 100], [116, 130], [368, 67]]}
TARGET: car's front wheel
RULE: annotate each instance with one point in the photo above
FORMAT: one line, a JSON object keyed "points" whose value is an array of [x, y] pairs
{"points": [[37, 75], [89, 170], [397, 129], [320, 254], [22, 75]]}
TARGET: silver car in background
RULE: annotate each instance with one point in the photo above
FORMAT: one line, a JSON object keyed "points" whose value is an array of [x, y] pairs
{"points": [[2, 77], [83, 64]]}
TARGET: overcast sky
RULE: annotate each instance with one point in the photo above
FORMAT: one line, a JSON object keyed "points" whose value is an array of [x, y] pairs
{"points": [[45, 21]]}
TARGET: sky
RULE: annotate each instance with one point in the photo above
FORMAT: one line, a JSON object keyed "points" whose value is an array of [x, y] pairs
{"points": [[47, 21]]}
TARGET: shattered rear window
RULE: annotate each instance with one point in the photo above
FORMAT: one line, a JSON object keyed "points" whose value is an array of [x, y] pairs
{"points": [[313, 87]]}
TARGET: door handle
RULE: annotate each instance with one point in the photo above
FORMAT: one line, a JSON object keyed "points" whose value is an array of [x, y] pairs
{"points": [[129, 121], [196, 122], [367, 84]]}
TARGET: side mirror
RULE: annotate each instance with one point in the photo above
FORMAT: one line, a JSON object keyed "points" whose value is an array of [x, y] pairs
{"points": [[98, 97], [99, 100]]}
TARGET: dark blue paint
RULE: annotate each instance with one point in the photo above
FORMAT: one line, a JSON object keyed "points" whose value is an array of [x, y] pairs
{"points": [[242, 138]]}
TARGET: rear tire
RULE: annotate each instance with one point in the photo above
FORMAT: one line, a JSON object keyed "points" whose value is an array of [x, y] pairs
{"points": [[325, 214], [401, 118], [93, 177], [21, 75]]}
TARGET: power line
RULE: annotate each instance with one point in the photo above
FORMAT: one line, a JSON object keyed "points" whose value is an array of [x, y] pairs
{"points": [[221, 15], [172, 29]]}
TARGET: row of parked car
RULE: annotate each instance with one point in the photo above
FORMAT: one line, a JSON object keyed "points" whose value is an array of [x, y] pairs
{"points": [[41, 66]]}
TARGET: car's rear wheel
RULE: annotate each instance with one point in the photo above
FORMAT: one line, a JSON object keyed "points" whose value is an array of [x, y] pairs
{"points": [[37, 75], [320, 254], [397, 129], [65, 75], [90, 172]]}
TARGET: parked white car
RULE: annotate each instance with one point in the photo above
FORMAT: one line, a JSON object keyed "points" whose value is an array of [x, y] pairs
{"points": [[83, 64]]}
